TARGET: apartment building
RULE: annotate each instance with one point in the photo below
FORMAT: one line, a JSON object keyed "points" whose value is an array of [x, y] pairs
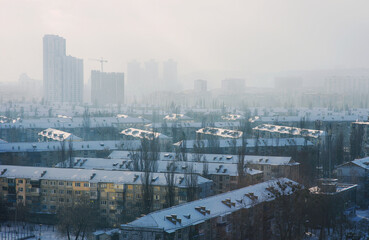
{"points": [[50, 153], [225, 176], [117, 194], [270, 166], [214, 217], [104, 128]]}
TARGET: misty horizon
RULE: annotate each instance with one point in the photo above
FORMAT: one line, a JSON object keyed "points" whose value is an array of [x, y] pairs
{"points": [[209, 40]]}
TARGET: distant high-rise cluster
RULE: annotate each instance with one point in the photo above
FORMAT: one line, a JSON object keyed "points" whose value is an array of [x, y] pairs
{"points": [[63, 75], [107, 88], [147, 79]]}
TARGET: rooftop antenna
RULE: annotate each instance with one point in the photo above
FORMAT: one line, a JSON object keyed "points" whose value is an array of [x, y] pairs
{"points": [[102, 61]]}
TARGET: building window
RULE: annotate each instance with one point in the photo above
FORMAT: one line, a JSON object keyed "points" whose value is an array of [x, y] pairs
{"points": [[61, 191], [20, 181], [69, 183], [85, 185], [77, 184], [20, 189], [103, 185], [61, 183], [103, 202], [77, 192], [69, 191]]}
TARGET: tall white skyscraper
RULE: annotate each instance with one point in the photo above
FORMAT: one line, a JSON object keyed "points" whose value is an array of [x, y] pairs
{"points": [[63, 75]]}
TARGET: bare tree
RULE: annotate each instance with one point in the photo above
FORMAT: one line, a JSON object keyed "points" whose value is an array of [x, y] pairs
{"points": [[62, 152], [170, 188], [191, 181], [70, 152], [199, 149], [77, 218]]}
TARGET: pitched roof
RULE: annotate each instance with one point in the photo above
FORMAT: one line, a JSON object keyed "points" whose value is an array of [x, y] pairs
{"points": [[87, 175], [193, 213]]}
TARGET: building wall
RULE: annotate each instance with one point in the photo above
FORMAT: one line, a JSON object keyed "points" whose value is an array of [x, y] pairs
{"points": [[117, 202]]}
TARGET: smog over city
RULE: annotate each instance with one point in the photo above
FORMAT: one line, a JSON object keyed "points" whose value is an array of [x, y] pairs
{"points": [[159, 120]]}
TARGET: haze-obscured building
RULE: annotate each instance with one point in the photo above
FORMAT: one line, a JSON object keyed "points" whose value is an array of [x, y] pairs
{"points": [[200, 85], [170, 75], [233, 85], [62, 74], [107, 88]]}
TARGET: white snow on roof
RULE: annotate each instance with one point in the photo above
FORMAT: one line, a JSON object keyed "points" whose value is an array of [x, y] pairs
{"points": [[220, 132], [175, 117], [58, 135], [213, 158], [139, 133], [87, 175], [193, 125], [290, 130], [361, 162], [77, 122], [80, 146], [232, 117], [192, 213], [251, 142], [162, 166]]}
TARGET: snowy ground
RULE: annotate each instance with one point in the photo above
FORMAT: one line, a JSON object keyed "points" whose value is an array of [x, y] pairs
{"points": [[11, 230]]}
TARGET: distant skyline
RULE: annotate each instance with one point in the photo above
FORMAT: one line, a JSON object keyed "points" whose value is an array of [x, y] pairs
{"points": [[214, 38]]}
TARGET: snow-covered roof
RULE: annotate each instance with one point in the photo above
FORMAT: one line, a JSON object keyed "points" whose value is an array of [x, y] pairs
{"points": [[3, 141], [213, 158], [290, 130], [139, 133], [176, 117], [162, 166], [251, 142], [232, 117], [87, 175], [193, 125], [196, 212], [220, 132], [58, 135], [361, 162], [55, 146], [77, 122]]}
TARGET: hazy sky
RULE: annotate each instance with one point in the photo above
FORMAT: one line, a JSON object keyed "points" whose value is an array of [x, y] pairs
{"points": [[202, 35]]}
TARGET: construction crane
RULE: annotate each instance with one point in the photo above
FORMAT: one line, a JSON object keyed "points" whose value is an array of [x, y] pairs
{"points": [[102, 61]]}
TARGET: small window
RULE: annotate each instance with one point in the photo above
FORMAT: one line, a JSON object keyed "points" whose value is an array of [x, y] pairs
{"points": [[77, 184]]}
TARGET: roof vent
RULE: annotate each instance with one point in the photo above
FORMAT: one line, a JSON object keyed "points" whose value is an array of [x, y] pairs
{"points": [[135, 178], [92, 176], [202, 210], [251, 196], [173, 219], [228, 203]]}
